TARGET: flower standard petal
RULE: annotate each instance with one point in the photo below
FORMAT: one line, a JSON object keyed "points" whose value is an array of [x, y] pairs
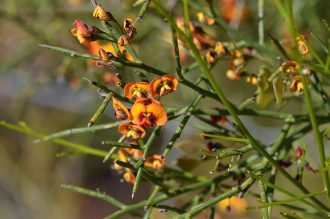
{"points": [[163, 85], [131, 130], [147, 112], [136, 90]]}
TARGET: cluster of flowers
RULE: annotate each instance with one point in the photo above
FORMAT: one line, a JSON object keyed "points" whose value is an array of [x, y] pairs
{"points": [[214, 50], [146, 111], [88, 36], [153, 161], [291, 68]]}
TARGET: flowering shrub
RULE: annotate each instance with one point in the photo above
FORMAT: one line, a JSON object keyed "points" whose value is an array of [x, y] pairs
{"points": [[236, 174]]}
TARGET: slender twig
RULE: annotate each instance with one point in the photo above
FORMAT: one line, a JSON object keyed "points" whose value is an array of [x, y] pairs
{"points": [[73, 131], [147, 147], [75, 146], [181, 126], [101, 109], [177, 54], [317, 134], [95, 194], [226, 138]]}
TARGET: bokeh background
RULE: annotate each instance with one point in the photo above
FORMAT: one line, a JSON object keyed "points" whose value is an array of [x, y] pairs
{"points": [[46, 90]]}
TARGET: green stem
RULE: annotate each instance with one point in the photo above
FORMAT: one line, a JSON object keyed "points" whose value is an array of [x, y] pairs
{"points": [[73, 131], [177, 54], [147, 147], [121, 145], [181, 126], [96, 194], [226, 138], [317, 134], [263, 198], [143, 10], [77, 147], [101, 109]]}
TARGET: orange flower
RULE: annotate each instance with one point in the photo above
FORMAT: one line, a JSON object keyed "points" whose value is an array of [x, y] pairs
{"points": [[163, 85], [201, 40], [155, 162], [121, 157], [233, 205], [229, 11], [136, 90], [252, 79], [121, 112], [104, 56], [289, 67], [131, 130], [135, 153], [220, 49], [296, 84], [211, 57], [83, 32], [122, 41], [233, 75], [147, 112], [101, 14], [94, 47], [129, 28], [302, 46], [129, 176], [205, 19]]}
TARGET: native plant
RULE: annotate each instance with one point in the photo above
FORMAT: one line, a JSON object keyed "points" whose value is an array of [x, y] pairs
{"points": [[285, 73]]}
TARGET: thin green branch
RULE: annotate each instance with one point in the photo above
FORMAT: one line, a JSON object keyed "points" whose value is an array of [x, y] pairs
{"points": [[96, 194], [77, 147], [101, 109], [147, 147], [121, 145], [74, 131], [181, 126], [226, 138], [317, 134], [177, 54]]}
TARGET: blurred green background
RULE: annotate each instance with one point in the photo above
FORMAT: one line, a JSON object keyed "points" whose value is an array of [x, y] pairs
{"points": [[45, 90]]}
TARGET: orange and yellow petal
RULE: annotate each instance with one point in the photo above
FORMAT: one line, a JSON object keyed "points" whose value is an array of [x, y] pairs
{"points": [[129, 176], [233, 205], [131, 130], [101, 14], [163, 85], [121, 157], [302, 45], [121, 111], [148, 112], [211, 57], [296, 85], [136, 90], [233, 75], [94, 47], [155, 162], [129, 28], [83, 32], [289, 67], [220, 49], [135, 153], [122, 41]]}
